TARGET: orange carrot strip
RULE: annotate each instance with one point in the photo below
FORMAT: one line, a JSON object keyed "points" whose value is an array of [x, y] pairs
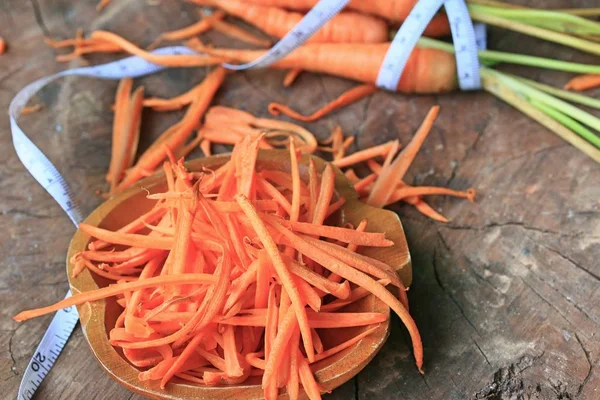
{"points": [[271, 322], [583, 82], [341, 291], [174, 103], [388, 178], [196, 28], [295, 172], [28, 109], [164, 60], [317, 320], [205, 147], [102, 293], [313, 186], [346, 98], [291, 76], [2, 45], [183, 357], [371, 239], [308, 380], [376, 151], [326, 191], [180, 131], [119, 128], [127, 239], [232, 364], [363, 183], [281, 270], [408, 191], [361, 279], [344, 345], [293, 382]]}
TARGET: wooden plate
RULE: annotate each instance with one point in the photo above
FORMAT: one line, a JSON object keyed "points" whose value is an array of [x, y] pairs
{"points": [[99, 317]]}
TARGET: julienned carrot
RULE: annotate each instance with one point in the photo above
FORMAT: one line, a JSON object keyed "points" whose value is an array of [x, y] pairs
{"points": [[583, 82], [381, 150], [291, 76], [408, 191], [259, 298], [427, 70], [361, 279], [29, 109], [389, 176], [393, 10], [346, 98], [182, 60], [109, 291], [281, 270], [278, 22], [174, 103], [119, 129], [178, 133], [2, 45], [196, 28]]}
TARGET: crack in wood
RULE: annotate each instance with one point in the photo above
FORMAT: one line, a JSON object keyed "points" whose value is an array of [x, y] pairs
{"points": [[589, 361], [447, 292]]}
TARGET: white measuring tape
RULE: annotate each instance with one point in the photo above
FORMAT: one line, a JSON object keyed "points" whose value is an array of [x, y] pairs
{"points": [[322, 12], [463, 36], [50, 178]]}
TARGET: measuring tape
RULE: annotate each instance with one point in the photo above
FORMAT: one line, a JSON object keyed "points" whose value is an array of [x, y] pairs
{"points": [[322, 12], [41, 168], [463, 36], [48, 350]]}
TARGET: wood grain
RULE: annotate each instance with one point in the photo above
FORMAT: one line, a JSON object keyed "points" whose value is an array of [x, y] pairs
{"points": [[506, 295]]}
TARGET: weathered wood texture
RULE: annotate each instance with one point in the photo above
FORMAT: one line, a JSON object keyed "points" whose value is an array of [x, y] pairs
{"points": [[506, 295]]}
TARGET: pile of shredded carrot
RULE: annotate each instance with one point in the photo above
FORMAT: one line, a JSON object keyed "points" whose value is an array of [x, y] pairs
{"points": [[235, 273], [223, 125]]}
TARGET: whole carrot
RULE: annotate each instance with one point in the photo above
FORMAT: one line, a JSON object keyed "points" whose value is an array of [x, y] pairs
{"points": [[347, 27], [427, 70], [391, 10]]}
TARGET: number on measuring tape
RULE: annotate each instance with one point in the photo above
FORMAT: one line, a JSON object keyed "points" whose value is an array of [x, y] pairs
{"points": [[463, 36], [48, 350], [47, 175], [322, 12]]}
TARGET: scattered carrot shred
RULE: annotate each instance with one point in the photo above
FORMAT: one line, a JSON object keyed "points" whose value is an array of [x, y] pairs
{"points": [[583, 82], [31, 109]]}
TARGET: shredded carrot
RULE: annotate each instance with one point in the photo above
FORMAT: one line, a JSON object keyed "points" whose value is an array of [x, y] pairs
{"points": [[183, 60], [29, 109], [385, 183], [349, 97], [197, 28], [2, 45], [291, 76], [583, 82]]}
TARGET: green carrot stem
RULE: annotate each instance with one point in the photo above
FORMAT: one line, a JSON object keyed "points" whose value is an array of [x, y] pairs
{"points": [[563, 94], [499, 56], [568, 122], [564, 107], [582, 12], [545, 34], [493, 85], [552, 20]]}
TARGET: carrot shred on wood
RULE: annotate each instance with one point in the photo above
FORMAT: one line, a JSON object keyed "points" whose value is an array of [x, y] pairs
{"points": [[583, 82], [346, 98]]}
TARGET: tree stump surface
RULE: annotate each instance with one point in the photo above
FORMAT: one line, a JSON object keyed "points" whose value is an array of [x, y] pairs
{"points": [[506, 295]]}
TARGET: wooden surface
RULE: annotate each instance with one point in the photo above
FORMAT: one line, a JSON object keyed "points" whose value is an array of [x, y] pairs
{"points": [[506, 295]]}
